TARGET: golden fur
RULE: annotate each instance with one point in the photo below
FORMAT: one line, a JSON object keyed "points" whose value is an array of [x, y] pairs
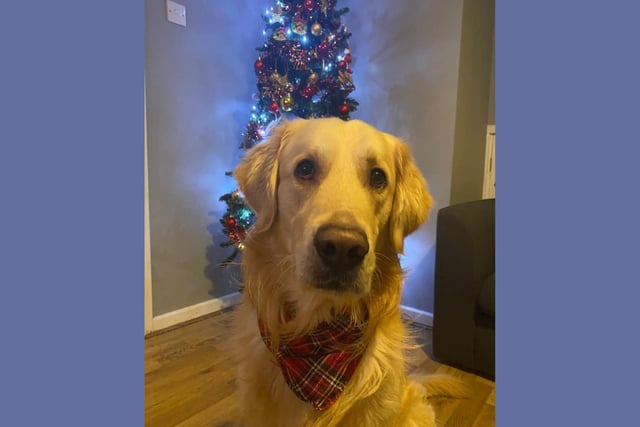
{"points": [[281, 270]]}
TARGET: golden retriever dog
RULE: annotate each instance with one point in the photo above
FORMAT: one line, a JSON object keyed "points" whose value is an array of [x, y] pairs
{"points": [[319, 339]]}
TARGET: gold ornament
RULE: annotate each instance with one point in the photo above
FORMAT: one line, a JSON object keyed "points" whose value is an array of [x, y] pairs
{"points": [[286, 103], [316, 29], [313, 78]]}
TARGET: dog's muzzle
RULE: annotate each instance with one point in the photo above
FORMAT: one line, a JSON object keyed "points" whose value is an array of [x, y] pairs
{"points": [[341, 250]]}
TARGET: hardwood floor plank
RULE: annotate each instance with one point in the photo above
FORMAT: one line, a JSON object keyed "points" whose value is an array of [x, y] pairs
{"points": [[491, 400], [469, 409], [179, 390], [217, 415], [487, 417]]}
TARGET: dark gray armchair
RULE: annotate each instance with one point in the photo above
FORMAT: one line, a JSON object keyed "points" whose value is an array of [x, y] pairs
{"points": [[464, 287]]}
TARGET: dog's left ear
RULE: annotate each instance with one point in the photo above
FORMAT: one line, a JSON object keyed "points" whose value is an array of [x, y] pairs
{"points": [[412, 201]]}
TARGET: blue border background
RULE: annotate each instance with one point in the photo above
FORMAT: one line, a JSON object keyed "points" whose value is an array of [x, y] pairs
{"points": [[71, 185], [567, 93], [71, 234]]}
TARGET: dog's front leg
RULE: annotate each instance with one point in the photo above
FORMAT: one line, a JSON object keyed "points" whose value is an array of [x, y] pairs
{"points": [[264, 399]]}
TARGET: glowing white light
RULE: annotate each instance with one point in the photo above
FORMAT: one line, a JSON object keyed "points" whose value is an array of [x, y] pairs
{"points": [[304, 39]]}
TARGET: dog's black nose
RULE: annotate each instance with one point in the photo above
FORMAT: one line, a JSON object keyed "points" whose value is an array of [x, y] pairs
{"points": [[341, 248]]}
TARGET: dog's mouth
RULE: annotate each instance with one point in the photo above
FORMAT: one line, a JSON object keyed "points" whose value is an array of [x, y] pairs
{"points": [[336, 286], [346, 282]]}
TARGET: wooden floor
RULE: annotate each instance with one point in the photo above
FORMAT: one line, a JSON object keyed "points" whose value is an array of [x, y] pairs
{"points": [[189, 381]]}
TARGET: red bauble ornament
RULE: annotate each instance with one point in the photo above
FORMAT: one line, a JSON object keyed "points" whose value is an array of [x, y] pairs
{"points": [[323, 48], [259, 66], [308, 91], [347, 58], [342, 64], [231, 222], [273, 107], [344, 109], [309, 5]]}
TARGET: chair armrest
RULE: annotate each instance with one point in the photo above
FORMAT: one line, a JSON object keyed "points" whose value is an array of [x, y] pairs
{"points": [[465, 257]]}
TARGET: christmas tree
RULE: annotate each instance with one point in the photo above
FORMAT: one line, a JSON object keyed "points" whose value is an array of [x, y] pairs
{"points": [[303, 70]]}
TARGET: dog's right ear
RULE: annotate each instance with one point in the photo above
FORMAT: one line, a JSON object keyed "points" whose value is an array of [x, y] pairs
{"points": [[257, 176], [412, 200]]}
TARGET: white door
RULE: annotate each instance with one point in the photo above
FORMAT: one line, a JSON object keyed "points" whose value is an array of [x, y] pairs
{"points": [[489, 186]]}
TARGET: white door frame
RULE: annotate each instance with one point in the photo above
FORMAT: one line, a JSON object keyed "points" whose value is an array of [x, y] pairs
{"points": [[148, 307], [489, 180]]}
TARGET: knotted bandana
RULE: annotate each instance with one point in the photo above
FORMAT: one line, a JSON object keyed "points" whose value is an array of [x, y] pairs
{"points": [[314, 366]]}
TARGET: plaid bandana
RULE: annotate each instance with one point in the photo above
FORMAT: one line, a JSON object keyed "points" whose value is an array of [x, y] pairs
{"points": [[314, 370]]}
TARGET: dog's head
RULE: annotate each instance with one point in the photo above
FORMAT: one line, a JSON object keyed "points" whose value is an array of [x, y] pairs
{"points": [[336, 196]]}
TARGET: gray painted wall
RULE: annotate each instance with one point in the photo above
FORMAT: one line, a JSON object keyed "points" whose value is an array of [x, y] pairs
{"points": [[492, 83], [200, 81], [406, 59], [475, 102]]}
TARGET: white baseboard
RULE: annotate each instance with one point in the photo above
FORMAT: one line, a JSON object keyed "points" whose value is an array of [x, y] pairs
{"points": [[182, 315], [167, 320], [423, 318]]}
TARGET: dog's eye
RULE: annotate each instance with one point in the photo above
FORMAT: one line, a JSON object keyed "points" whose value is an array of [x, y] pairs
{"points": [[305, 170], [378, 179]]}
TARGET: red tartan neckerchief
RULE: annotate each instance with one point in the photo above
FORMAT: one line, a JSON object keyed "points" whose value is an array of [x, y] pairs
{"points": [[314, 369]]}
